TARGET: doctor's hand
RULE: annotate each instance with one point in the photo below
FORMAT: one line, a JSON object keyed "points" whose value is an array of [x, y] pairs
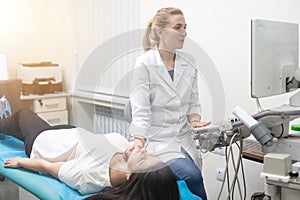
{"points": [[133, 148], [196, 124], [136, 144]]}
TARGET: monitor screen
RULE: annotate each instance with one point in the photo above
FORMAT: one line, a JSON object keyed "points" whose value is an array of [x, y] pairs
{"points": [[274, 57]]}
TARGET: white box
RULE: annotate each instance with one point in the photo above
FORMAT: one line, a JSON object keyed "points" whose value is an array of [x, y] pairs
{"points": [[44, 70], [277, 164]]}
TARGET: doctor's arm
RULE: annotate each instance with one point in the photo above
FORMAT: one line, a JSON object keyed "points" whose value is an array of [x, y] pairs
{"points": [[140, 105], [37, 165], [194, 112]]}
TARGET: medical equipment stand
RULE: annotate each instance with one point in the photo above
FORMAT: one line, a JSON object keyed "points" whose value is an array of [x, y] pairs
{"points": [[277, 121]]}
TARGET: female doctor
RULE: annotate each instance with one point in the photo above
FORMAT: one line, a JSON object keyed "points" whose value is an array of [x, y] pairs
{"points": [[164, 98]]}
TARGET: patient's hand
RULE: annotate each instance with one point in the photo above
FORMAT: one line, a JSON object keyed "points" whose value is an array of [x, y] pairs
{"points": [[199, 124], [13, 162]]}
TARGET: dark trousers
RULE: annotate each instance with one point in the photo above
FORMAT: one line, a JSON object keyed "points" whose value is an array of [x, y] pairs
{"points": [[26, 126]]}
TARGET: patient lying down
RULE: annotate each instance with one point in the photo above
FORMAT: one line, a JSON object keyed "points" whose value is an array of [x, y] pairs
{"points": [[89, 162]]}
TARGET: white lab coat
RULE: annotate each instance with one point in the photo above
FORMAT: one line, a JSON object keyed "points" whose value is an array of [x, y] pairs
{"points": [[160, 106]]}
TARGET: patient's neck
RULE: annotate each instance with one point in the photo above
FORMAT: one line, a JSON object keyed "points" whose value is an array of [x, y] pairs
{"points": [[118, 172], [117, 177]]}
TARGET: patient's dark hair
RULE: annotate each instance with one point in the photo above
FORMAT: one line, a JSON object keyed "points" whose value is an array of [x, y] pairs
{"points": [[157, 184]]}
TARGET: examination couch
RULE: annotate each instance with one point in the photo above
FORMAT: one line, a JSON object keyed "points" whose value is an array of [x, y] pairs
{"points": [[40, 185]]}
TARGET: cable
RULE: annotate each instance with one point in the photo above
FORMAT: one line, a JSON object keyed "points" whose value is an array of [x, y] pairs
{"points": [[282, 131], [259, 107], [227, 163], [242, 169], [236, 166], [236, 169], [230, 153], [225, 176], [244, 179], [227, 171]]}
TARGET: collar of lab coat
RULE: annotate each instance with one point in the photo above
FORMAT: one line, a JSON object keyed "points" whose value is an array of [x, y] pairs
{"points": [[179, 69]]}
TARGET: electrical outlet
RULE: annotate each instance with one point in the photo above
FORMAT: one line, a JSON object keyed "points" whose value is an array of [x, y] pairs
{"points": [[220, 174], [219, 151]]}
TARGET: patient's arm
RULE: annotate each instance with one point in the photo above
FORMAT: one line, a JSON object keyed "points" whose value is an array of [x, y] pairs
{"points": [[36, 165]]}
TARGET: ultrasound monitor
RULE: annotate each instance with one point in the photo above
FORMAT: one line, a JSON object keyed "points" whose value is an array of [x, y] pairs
{"points": [[274, 57]]}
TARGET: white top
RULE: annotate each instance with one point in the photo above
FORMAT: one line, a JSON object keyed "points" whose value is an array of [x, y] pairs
{"points": [[160, 105], [86, 155]]}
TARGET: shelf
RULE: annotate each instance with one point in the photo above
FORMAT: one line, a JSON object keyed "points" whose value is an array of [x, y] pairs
{"points": [[45, 96]]}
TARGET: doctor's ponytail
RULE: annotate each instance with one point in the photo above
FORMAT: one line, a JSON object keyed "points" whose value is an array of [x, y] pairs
{"points": [[149, 41]]}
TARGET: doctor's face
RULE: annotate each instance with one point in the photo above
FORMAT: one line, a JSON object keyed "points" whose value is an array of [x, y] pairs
{"points": [[173, 35]]}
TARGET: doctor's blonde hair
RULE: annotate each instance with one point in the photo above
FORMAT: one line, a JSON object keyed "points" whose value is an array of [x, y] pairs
{"points": [[160, 20]]}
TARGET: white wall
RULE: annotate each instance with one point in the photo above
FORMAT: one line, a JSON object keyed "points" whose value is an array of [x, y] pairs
{"points": [[67, 31], [35, 31], [98, 25]]}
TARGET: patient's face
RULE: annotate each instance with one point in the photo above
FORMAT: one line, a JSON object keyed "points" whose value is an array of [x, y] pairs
{"points": [[140, 161]]}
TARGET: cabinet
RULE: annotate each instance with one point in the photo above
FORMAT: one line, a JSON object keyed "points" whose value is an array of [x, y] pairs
{"points": [[50, 107]]}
